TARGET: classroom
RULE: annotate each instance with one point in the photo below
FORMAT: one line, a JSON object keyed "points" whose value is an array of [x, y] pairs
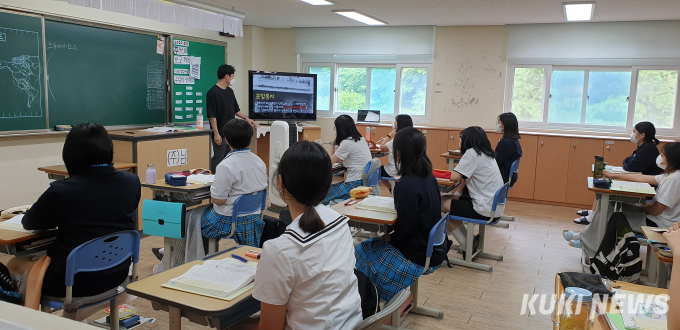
{"points": [[339, 164]]}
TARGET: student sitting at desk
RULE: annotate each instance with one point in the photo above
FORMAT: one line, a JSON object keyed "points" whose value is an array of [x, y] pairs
{"points": [[396, 259], [663, 211], [479, 170], [643, 160], [94, 201], [305, 279], [508, 149], [240, 172], [390, 169], [350, 149]]}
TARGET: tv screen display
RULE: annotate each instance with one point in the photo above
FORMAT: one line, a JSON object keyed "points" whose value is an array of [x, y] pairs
{"points": [[282, 96]]}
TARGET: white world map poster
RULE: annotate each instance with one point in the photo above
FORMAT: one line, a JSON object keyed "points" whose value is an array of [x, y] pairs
{"points": [[20, 72]]}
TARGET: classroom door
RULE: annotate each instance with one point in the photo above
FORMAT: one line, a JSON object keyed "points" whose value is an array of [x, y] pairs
{"points": [[615, 151], [526, 177], [582, 154], [437, 144], [552, 164]]}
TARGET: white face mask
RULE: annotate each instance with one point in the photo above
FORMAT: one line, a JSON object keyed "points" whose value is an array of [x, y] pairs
{"points": [[498, 128], [394, 126], [232, 82], [659, 162], [633, 139]]}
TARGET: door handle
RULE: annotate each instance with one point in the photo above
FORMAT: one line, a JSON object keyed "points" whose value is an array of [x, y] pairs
{"points": [[541, 143], [574, 146], [608, 148]]}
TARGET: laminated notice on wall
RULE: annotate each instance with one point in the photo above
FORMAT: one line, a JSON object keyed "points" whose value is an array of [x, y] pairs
{"points": [[181, 59], [184, 80], [195, 70]]}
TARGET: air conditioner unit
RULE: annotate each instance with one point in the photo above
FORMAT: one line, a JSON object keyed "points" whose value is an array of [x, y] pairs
{"points": [[281, 136]]}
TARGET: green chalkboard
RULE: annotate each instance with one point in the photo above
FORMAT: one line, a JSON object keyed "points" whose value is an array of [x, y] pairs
{"points": [[22, 83], [189, 94], [101, 75]]}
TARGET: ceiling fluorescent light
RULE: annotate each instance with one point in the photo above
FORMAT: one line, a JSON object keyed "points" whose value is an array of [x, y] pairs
{"points": [[579, 11], [319, 2], [357, 16]]}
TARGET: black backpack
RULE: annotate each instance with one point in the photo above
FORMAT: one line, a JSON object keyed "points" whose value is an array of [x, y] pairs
{"points": [[8, 287], [369, 295], [274, 227]]}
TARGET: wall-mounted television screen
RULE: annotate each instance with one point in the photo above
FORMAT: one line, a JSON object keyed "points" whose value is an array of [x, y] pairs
{"points": [[282, 96]]}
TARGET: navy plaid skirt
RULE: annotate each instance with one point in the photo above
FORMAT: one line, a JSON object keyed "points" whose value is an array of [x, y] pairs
{"points": [[389, 270], [248, 228], [341, 191]]}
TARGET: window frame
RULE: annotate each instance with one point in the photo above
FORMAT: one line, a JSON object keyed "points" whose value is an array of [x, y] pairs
{"points": [[547, 85], [335, 67]]}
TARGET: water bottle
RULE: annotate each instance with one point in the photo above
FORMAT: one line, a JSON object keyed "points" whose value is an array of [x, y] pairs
{"points": [[199, 120], [151, 174], [599, 167]]}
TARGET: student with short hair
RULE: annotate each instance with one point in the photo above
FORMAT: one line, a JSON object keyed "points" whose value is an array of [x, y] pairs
{"points": [[350, 149], [221, 107], [305, 279], [479, 170], [663, 211], [241, 172], [397, 259], [389, 170], [95, 200], [508, 149]]}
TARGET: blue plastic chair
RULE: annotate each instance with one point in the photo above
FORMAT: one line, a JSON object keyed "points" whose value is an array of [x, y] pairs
{"points": [[95, 255], [245, 204], [500, 198], [437, 237], [372, 170], [514, 169]]}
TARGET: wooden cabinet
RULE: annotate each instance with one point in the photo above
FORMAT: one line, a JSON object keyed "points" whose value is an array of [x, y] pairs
{"points": [[454, 140], [615, 151], [494, 138], [526, 177], [552, 164], [437, 144], [582, 154]]}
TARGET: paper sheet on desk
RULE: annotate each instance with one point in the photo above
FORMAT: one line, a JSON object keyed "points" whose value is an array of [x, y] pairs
{"points": [[635, 187], [15, 225], [201, 178], [380, 204], [158, 130]]}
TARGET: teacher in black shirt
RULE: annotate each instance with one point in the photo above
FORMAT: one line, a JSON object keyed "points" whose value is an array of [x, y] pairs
{"points": [[222, 107], [95, 200]]}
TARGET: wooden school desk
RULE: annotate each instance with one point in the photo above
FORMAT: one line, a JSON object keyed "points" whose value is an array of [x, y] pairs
{"points": [[607, 195], [192, 195], [451, 160], [19, 317], [559, 291], [657, 265], [19, 244], [59, 172], [377, 152], [199, 309], [371, 221]]}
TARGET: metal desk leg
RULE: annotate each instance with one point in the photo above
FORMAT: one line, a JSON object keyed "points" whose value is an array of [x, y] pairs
{"points": [[604, 209], [661, 274], [167, 253], [652, 267], [175, 318], [449, 162]]}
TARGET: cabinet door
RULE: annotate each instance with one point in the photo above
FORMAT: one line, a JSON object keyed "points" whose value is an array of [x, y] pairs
{"points": [[494, 138], [437, 144], [526, 177], [454, 140], [615, 151], [379, 133], [582, 154], [552, 163]]}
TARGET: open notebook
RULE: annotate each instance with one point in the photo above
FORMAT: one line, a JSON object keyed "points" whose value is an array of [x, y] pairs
{"points": [[223, 279], [380, 204], [635, 187]]}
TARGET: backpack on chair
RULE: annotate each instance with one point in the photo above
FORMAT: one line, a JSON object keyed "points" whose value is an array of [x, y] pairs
{"points": [[369, 295], [274, 227], [618, 257]]}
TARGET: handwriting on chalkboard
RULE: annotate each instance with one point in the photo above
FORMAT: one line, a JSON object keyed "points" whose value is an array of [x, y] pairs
{"points": [[61, 45]]}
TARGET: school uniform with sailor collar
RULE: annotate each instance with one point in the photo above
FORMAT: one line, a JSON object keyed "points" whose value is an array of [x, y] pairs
{"points": [[312, 274]]}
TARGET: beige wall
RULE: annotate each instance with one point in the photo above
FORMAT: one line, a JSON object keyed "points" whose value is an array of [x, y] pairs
{"points": [[469, 76]]}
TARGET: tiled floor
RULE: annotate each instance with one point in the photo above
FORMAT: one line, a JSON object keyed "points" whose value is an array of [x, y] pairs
{"points": [[533, 250]]}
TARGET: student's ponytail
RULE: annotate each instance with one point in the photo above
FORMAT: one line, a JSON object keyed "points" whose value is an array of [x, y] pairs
{"points": [[310, 221], [649, 130], [656, 141], [305, 170]]}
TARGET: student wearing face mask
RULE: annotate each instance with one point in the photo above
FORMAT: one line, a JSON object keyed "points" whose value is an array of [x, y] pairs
{"points": [[663, 211], [508, 149], [390, 169], [643, 160]]}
